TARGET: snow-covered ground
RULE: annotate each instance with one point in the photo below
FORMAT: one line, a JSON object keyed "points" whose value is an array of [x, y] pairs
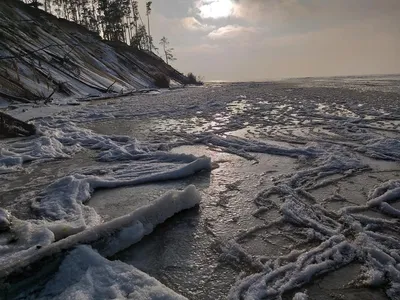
{"points": [[299, 185]]}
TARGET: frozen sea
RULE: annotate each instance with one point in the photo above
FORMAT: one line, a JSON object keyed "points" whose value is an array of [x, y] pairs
{"points": [[264, 190]]}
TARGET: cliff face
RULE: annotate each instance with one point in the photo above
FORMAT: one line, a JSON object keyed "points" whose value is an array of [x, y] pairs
{"points": [[41, 55]]}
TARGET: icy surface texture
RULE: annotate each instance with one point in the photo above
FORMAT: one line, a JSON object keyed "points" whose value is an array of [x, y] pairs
{"points": [[327, 200], [64, 200], [35, 242], [86, 275], [365, 243]]}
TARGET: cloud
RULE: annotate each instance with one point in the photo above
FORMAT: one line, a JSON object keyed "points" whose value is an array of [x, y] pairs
{"points": [[272, 10], [337, 11], [356, 48], [353, 49], [290, 38], [232, 32], [205, 49], [193, 24]]}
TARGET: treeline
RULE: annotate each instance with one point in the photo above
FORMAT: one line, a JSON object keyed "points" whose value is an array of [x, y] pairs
{"points": [[114, 20]]}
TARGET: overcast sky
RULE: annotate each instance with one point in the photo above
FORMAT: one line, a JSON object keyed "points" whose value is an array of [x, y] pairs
{"points": [[240, 40]]}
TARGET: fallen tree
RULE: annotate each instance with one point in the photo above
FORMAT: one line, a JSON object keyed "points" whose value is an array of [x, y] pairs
{"points": [[12, 127]]}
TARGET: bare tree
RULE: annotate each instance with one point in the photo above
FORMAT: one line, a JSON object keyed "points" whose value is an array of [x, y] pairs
{"points": [[167, 51]]}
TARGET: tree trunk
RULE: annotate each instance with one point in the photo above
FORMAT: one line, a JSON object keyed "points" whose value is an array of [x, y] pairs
{"points": [[166, 56], [11, 127], [129, 30], [148, 26]]}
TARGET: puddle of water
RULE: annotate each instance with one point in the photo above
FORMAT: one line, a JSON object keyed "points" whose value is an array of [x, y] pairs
{"points": [[133, 128]]}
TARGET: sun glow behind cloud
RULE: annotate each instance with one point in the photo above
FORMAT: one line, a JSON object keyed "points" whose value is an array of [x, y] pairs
{"points": [[287, 38], [215, 9]]}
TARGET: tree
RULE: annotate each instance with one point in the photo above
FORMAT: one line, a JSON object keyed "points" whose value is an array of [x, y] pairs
{"points": [[114, 20], [112, 17], [148, 12], [167, 51], [35, 4], [135, 13], [132, 20], [46, 5], [140, 39], [193, 79]]}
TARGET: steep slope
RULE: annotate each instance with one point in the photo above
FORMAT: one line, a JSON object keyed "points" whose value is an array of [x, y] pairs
{"points": [[41, 55]]}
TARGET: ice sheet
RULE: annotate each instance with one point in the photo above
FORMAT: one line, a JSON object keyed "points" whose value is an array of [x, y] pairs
{"points": [[86, 275], [35, 242]]}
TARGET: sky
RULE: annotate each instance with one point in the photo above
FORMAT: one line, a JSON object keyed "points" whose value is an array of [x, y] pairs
{"points": [[245, 40]]}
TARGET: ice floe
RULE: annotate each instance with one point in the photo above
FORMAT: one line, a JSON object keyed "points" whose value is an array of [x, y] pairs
{"points": [[85, 274], [33, 242]]}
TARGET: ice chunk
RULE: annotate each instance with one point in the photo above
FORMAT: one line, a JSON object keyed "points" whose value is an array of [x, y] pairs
{"points": [[386, 192], [295, 211], [388, 149], [64, 199], [328, 163], [5, 220], [271, 284], [109, 237], [23, 240], [300, 296], [239, 145], [62, 139], [86, 275], [383, 194]]}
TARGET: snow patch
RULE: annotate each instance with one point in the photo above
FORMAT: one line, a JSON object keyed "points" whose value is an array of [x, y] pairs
{"points": [[64, 199], [110, 237], [388, 149], [272, 283], [86, 275]]}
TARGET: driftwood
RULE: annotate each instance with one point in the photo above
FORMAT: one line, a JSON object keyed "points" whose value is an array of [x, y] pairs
{"points": [[108, 89], [11, 127]]}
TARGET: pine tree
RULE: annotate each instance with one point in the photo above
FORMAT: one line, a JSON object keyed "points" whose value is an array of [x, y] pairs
{"points": [[148, 12], [114, 20], [167, 51], [135, 14]]}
